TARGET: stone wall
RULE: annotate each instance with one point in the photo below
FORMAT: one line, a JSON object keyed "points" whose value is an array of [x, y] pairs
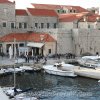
{"points": [[86, 40], [64, 42], [7, 15]]}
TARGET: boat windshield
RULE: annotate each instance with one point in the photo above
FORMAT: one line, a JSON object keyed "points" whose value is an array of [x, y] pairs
{"points": [[57, 65]]}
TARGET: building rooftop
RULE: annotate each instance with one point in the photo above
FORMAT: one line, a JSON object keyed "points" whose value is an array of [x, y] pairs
{"points": [[70, 17], [55, 7], [42, 12], [30, 37], [21, 12], [46, 6], [5, 1], [89, 17]]}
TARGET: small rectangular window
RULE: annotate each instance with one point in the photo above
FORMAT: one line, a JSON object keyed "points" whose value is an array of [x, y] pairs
{"points": [[88, 26], [36, 25], [55, 25], [49, 51], [12, 25], [58, 11], [4, 24], [21, 44], [48, 25], [74, 11], [63, 11], [70, 10], [20, 25], [42, 25], [25, 25]]}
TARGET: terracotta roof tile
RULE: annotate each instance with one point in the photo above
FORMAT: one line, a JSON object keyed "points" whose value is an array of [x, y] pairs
{"points": [[46, 6], [90, 17], [30, 37], [77, 8], [55, 7], [70, 17], [42, 12], [5, 1], [10, 37], [21, 12]]}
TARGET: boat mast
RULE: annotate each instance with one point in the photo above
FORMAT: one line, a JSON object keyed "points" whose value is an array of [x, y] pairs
{"points": [[14, 63]]}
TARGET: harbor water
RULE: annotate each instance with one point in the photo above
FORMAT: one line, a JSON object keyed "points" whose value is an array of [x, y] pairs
{"points": [[50, 87]]}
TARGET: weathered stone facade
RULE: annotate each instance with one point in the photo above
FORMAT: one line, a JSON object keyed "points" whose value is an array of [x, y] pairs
{"points": [[7, 16], [77, 36]]}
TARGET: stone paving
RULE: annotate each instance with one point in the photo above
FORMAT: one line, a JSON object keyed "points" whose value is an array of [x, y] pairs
{"points": [[7, 61]]}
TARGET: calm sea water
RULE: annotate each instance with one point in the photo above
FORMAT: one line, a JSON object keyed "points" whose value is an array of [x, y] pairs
{"points": [[49, 87]]}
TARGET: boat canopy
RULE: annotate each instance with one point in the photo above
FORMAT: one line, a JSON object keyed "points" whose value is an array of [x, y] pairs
{"points": [[32, 44]]}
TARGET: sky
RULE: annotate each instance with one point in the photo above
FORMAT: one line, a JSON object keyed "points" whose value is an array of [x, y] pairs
{"points": [[22, 4]]}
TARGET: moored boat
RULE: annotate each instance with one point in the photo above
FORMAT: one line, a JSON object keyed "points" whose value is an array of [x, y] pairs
{"points": [[88, 72], [17, 94], [86, 59], [27, 68], [89, 61], [57, 69]]}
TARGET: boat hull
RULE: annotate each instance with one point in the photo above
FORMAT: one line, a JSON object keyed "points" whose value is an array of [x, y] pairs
{"points": [[88, 72], [54, 71], [69, 73]]}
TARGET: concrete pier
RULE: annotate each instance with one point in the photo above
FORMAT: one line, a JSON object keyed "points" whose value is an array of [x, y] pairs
{"points": [[3, 96]]}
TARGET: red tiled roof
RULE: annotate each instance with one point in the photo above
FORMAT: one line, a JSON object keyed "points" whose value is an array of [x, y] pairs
{"points": [[10, 37], [37, 37], [30, 37], [42, 12], [50, 6], [46, 6], [5, 1], [77, 8], [21, 12], [93, 18], [71, 17], [90, 17]]}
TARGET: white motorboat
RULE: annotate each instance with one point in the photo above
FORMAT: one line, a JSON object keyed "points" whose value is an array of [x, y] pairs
{"points": [[4, 71], [3, 96], [27, 68], [89, 61], [16, 94], [17, 70], [10, 91], [60, 69], [88, 72]]}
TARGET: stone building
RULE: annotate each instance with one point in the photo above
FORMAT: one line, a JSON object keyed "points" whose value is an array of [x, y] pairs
{"points": [[84, 30], [25, 43], [94, 10], [73, 29], [7, 16]]}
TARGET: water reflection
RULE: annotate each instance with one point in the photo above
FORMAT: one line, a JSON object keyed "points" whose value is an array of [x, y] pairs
{"points": [[49, 87]]}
